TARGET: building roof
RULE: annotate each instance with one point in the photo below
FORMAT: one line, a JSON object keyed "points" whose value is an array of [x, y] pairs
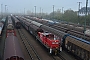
{"points": [[84, 10]]}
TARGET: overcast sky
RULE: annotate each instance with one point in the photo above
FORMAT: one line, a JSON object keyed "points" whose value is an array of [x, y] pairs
{"points": [[46, 5]]}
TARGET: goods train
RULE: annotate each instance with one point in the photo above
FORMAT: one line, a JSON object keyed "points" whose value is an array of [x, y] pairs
{"points": [[10, 28], [79, 47], [2, 23], [12, 49]]}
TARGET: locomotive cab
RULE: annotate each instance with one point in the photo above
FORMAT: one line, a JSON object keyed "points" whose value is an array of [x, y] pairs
{"points": [[50, 41]]}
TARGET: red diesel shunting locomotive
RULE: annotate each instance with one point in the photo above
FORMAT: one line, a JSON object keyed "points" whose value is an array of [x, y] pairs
{"points": [[50, 41]]}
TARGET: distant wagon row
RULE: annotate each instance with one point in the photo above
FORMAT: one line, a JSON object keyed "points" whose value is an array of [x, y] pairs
{"points": [[70, 28]]}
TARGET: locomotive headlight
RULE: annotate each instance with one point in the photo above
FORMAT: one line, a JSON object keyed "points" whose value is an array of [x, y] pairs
{"points": [[57, 42], [53, 43]]}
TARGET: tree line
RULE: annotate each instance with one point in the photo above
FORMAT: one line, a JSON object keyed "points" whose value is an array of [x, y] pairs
{"points": [[68, 16]]}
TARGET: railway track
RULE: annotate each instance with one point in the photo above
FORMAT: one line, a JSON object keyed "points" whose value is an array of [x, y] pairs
{"points": [[59, 57], [63, 56], [30, 49]]}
